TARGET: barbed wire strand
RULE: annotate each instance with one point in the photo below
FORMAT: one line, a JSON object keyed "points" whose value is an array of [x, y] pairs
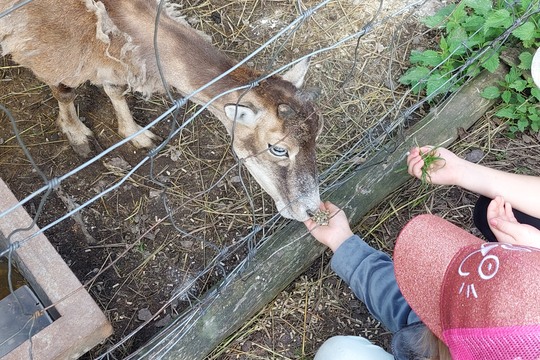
{"points": [[374, 137]]}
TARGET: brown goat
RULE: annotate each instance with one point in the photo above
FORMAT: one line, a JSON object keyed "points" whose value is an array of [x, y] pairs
{"points": [[111, 43]]}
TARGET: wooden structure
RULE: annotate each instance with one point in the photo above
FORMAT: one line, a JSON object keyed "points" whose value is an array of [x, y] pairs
{"points": [[79, 324]]}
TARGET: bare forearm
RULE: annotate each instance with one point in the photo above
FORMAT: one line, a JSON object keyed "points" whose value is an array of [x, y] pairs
{"points": [[521, 191]]}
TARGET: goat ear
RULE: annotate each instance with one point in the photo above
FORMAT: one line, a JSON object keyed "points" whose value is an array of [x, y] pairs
{"points": [[241, 114], [297, 73]]}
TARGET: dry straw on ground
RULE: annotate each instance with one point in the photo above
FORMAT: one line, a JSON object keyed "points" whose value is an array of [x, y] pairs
{"points": [[214, 204]]}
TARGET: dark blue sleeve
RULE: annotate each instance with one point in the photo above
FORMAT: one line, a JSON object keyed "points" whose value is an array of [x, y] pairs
{"points": [[370, 274]]}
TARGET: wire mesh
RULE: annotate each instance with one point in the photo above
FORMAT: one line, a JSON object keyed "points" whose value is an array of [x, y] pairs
{"points": [[157, 230]]}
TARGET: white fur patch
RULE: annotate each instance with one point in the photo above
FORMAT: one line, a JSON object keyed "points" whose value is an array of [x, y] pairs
{"points": [[104, 25]]}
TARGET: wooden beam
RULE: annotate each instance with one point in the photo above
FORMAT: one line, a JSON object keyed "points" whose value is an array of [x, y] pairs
{"points": [[80, 323], [288, 253]]}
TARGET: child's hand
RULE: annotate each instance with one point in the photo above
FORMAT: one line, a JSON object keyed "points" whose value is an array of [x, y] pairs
{"points": [[506, 228], [337, 230], [445, 171]]}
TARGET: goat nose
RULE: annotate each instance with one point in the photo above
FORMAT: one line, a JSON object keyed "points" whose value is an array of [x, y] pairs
{"points": [[310, 213]]}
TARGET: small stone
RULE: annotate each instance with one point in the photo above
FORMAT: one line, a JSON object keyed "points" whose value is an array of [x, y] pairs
{"points": [[246, 347], [474, 156], [166, 320], [216, 17], [117, 163], [187, 244], [526, 139], [144, 314]]}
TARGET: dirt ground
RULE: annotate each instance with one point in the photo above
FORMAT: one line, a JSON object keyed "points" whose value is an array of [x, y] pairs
{"points": [[136, 227]]}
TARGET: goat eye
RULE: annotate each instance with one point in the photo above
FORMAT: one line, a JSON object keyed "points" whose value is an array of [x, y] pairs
{"points": [[278, 151]]}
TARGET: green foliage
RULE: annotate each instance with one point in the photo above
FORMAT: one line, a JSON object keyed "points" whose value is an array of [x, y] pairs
{"points": [[519, 97], [429, 157], [466, 31]]}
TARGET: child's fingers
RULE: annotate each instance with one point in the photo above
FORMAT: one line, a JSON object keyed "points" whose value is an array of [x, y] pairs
{"points": [[520, 234], [509, 212], [496, 209], [310, 224], [414, 167], [509, 228], [413, 154], [425, 149], [336, 213], [415, 160], [331, 207], [417, 169], [501, 231], [499, 201], [414, 151], [492, 209]]}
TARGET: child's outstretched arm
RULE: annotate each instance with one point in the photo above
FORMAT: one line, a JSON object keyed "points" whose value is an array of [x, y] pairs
{"points": [[522, 191], [369, 272]]}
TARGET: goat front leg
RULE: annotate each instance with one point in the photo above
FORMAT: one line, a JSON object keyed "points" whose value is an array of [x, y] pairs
{"points": [[68, 121], [126, 125]]}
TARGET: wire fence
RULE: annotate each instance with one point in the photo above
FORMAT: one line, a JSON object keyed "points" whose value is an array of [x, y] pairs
{"points": [[225, 237]]}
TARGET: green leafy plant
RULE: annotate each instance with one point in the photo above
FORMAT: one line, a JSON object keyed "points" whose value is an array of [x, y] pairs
{"points": [[520, 98], [141, 247], [429, 158], [467, 30]]}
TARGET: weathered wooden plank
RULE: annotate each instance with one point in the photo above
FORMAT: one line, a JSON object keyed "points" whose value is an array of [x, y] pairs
{"points": [[288, 253], [80, 324]]}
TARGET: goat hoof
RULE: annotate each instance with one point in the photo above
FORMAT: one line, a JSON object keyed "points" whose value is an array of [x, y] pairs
{"points": [[145, 140]]}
